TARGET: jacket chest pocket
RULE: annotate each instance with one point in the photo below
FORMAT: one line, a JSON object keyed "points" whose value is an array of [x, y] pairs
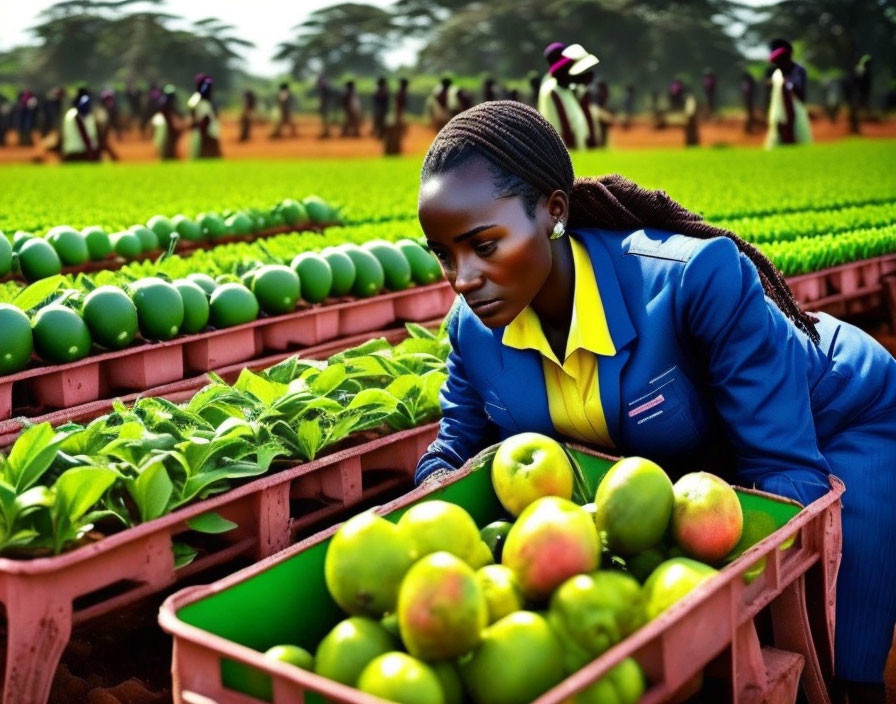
{"points": [[664, 418]]}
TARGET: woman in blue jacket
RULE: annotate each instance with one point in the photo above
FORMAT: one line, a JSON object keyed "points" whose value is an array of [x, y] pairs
{"points": [[597, 310]]}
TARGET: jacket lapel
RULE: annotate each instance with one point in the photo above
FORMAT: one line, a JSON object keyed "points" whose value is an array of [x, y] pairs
{"points": [[515, 378], [604, 258], [519, 385]]}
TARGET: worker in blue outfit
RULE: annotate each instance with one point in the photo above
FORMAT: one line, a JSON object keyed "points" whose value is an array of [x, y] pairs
{"points": [[600, 311]]}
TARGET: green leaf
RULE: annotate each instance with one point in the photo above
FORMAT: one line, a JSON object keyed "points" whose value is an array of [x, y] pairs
{"points": [[362, 350], [341, 429], [416, 345], [236, 428], [183, 554], [37, 292], [290, 369], [373, 399], [328, 379], [36, 497], [199, 485], [407, 387], [415, 330], [77, 490], [310, 438], [152, 490], [31, 455], [263, 389], [212, 523], [432, 386], [20, 539]]}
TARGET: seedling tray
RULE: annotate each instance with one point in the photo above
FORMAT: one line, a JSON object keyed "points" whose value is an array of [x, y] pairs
{"points": [[148, 365], [44, 597], [184, 389], [848, 289], [221, 630]]}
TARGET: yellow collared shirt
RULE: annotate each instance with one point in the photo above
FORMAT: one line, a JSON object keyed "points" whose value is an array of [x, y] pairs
{"points": [[573, 386]]}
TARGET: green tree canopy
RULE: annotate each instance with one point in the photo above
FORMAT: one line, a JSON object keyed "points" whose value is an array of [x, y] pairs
{"points": [[101, 41], [346, 38], [644, 41]]}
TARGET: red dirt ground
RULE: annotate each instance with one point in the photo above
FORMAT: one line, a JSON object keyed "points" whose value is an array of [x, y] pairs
{"points": [[419, 137]]}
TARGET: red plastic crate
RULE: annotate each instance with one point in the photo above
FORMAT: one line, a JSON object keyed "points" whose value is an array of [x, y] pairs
{"points": [[41, 596], [713, 626]]}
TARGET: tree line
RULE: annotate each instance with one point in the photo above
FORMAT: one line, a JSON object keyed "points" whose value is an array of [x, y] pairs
{"points": [[641, 42]]}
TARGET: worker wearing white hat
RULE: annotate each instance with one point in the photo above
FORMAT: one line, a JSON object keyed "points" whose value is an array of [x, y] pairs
{"points": [[556, 100]]}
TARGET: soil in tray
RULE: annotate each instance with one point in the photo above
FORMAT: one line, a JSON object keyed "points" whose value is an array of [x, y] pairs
{"points": [[124, 657]]}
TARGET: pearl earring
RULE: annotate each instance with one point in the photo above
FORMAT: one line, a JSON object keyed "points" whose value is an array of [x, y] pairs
{"points": [[558, 231]]}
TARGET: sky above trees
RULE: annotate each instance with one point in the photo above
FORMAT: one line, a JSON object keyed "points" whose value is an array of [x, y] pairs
{"points": [[267, 24]]}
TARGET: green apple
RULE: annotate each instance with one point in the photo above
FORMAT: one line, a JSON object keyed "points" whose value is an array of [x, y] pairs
{"points": [[292, 654], [530, 466], [707, 519]]}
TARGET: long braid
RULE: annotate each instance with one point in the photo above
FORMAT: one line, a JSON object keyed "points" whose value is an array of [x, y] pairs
{"points": [[529, 159]]}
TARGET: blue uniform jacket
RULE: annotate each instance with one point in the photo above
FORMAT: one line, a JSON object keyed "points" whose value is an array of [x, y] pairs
{"points": [[702, 355]]}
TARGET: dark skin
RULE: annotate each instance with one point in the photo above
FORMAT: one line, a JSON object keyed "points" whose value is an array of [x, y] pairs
{"points": [[497, 257]]}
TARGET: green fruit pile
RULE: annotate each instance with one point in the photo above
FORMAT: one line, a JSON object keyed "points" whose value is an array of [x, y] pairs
{"points": [[111, 316], [433, 618], [502, 613], [69, 247]]}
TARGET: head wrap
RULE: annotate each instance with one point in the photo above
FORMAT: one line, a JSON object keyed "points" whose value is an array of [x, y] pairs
{"points": [[778, 54]]}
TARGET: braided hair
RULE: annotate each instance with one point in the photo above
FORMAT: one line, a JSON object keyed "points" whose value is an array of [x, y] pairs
{"points": [[528, 159]]}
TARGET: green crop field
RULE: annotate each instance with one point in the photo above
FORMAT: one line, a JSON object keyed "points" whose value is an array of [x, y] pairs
{"points": [[720, 183], [807, 208]]}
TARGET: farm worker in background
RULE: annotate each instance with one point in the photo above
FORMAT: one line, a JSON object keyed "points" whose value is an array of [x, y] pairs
{"points": [[167, 125], [788, 120], [5, 118], [684, 114], [489, 89], [204, 129], [149, 107], [351, 111], [676, 95], [401, 104], [512, 94], [597, 310], [26, 116], [247, 115], [581, 86], [534, 80], [109, 101], [380, 100], [51, 111], [105, 114], [441, 104], [284, 113], [556, 101], [395, 126], [80, 138]]}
